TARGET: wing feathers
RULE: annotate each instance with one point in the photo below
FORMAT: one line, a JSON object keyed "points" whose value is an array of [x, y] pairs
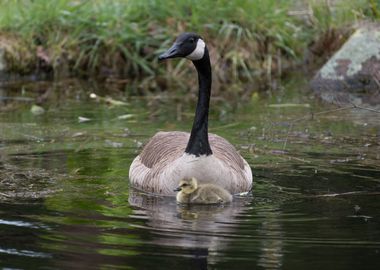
{"points": [[152, 170], [165, 147]]}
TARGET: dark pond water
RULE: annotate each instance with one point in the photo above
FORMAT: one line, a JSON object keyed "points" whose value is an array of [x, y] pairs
{"points": [[65, 202]]}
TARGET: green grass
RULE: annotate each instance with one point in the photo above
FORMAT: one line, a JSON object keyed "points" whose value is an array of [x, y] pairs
{"points": [[248, 39]]}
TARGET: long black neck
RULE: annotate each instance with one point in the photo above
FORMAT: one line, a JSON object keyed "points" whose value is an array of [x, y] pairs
{"points": [[198, 143]]}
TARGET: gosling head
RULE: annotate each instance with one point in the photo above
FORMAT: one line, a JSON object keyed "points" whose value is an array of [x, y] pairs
{"points": [[187, 186], [187, 45]]}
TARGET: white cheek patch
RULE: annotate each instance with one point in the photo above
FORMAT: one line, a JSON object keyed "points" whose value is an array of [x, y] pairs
{"points": [[199, 51]]}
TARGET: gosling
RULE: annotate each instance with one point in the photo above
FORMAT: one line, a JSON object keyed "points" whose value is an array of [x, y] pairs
{"points": [[192, 193]]}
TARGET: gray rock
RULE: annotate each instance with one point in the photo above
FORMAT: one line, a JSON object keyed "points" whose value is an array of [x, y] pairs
{"points": [[353, 73]]}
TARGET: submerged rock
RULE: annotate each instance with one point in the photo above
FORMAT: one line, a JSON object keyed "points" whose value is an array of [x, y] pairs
{"points": [[19, 184], [353, 73]]}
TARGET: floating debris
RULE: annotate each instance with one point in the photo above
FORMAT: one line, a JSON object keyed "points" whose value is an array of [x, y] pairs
{"points": [[127, 132], [360, 216], [78, 134], [114, 102], [108, 100], [278, 152], [350, 193], [125, 116], [344, 160], [289, 105], [114, 144], [357, 209], [82, 119], [37, 110]]}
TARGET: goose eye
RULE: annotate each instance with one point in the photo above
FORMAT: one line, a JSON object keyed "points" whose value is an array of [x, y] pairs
{"points": [[192, 40]]}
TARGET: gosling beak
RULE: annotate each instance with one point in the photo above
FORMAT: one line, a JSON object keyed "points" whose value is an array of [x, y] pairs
{"points": [[177, 189], [173, 52]]}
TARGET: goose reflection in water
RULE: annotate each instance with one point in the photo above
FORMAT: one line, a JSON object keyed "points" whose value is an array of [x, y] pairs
{"points": [[206, 231]]}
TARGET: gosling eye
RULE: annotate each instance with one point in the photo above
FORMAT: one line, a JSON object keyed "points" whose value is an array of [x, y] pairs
{"points": [[184, 185]]}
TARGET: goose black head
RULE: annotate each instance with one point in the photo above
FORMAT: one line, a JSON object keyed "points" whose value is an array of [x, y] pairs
{"points": [[187, 45]]}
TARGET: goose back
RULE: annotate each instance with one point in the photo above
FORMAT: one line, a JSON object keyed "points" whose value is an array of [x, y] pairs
{"points": [[152, 171]]}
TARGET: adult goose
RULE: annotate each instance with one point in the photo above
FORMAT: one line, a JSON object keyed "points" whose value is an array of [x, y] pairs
{"points": [[171, 156]]}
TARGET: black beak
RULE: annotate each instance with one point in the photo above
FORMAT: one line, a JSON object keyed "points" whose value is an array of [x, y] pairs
{"points": [[178, 189], [171, 53]]}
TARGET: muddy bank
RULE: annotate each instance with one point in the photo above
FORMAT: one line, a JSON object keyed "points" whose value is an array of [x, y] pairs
{"points": [[252, 42], [235, 69]]}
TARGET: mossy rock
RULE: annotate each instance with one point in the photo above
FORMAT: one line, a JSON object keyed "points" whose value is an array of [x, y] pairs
{"points": [[353, 73]]}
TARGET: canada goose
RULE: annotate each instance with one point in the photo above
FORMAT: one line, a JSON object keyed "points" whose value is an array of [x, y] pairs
{"points": [[191, 192], [171, 156]]}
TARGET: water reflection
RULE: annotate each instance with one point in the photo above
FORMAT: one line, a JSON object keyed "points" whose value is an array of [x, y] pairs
{"points": [[199, 228], [271, 244], [91, 220], [206, 230]]}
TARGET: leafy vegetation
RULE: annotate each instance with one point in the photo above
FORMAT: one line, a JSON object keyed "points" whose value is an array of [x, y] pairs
{"points": [[248, 39]]}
